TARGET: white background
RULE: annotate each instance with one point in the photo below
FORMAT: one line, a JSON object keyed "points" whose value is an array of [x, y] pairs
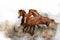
{"points": [[9, 8]]}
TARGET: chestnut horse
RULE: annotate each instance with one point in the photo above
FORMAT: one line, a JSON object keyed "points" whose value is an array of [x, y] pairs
{"points": [[32, 21], [37, 19], [31, 12], [23, 13]]}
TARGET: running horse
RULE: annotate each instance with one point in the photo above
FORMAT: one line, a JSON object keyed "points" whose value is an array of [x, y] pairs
{"points": [[31, 12], [23, 13], [32, 21]]}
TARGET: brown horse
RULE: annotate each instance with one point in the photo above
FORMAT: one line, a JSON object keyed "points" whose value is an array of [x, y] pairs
{"points": [[31, 12], [32, 21], [37, 19], [23, 13]]}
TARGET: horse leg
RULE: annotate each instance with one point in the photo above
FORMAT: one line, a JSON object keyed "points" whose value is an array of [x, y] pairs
{"points": [[32, 30], [25, 27], [47, 24], [28, 29], [38, 26]]}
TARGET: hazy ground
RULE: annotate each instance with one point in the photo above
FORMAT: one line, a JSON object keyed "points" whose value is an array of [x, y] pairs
{"points": [[9, 10], [4, 24]]}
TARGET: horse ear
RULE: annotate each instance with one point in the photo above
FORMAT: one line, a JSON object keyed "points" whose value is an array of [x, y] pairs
{"points": [[22, 11]]}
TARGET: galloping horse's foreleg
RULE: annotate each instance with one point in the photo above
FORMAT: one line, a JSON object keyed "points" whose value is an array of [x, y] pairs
{"points": [[25, 27], [38, 26], [31, 31], [28, 29]]}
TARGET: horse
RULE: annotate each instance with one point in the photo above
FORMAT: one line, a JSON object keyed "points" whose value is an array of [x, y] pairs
{"points": [[23, 13], [32, 21], [40, 18], [31, 12]]}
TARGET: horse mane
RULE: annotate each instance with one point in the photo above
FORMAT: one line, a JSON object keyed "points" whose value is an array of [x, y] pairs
{"points": [[33, 10]]}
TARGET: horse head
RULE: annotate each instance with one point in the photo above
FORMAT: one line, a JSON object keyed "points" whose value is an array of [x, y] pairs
{"points": [[21, 13], [34, 12]]}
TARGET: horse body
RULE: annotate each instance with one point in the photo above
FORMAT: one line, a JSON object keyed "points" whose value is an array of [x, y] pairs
{"points": [[38, 20], [32, 21], [29, 22]]}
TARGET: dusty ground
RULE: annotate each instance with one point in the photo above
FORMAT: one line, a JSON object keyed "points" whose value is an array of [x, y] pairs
{"points": [[7, 32]]}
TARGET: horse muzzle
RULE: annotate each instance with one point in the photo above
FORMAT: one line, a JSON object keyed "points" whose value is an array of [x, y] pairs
{"points": [[18, 16]]}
